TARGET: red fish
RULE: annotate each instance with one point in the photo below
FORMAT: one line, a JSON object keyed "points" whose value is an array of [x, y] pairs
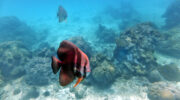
{"points": [[73, 63]]}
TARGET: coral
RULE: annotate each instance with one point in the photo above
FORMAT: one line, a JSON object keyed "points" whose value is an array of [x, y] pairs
{"points": [[13, 57], [172, 15], [96, 59], [154, 76], [104, 74], [44, 50], [170, 72], [105, 35], [39, 72], [170, 44], [81, 43], [163, 91], [13, 29], [127, 17], [135, 47]]}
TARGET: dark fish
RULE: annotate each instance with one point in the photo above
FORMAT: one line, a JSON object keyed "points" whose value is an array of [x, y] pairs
{"points": [[62, 14], [73, 63]]}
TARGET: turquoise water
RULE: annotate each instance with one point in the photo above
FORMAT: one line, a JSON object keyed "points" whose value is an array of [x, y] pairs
{"points": [[133, 48]]}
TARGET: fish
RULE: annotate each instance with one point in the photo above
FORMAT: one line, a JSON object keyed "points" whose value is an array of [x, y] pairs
{"points": [[72, 63], [62, 14]]}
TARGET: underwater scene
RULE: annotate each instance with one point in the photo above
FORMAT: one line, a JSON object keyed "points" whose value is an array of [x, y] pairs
{"points": [[89, 49]]}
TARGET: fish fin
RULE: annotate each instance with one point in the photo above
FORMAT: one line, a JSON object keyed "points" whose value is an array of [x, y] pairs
{"points": [[78, 81], [65, 77], [56, 63]]}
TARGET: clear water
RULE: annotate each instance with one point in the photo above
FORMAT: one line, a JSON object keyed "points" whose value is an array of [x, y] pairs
{"points": [[25, 66]]}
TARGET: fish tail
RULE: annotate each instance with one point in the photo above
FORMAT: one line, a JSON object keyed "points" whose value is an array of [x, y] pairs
{"points": [[56, 64]]}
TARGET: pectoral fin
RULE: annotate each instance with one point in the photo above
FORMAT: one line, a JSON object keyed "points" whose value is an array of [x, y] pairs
{"points": [[78, 81], [56, 63]]}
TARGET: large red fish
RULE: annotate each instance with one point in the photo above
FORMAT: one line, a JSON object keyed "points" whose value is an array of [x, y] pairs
{"points": [[73, 63]]}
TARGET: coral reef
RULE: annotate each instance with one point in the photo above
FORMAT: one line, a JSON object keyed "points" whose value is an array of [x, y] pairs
{"points": [[163, 91], [155, 76], [82, 44], [170, 43], [170, 72], [39, 72], [14, 56], [135, 48], [172, 15], [45, 50], [105, 35], [103, 70], [128, 16], [11, 29]]}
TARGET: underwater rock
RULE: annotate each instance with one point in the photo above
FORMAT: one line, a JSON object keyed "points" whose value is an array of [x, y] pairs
{"points": [[135, 48], [33, 93], [105, 35], [18, 72], [170, 72], [80, 91], [81, 43], [39, 66], [163, 91], [96, 59], [14, 56], [170, 43], [127, 17], [154, 76], [45, 50], [11, 28], [16, 91], [172, 15], [104, 74], [47, 93], [1, 79]]}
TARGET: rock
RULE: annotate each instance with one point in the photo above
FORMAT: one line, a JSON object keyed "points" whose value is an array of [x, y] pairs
{"points": [[33, 93], [163, 91], [127, 17], [13, 29], [80, 91], [16, 91], [155, 76], [47, 93], [104, 74], [170, 72], [39, 72], [45, 50], [18, 72], [1, 79], [81, 43], [135, 48], [15, 55], [172, 15], [105, 35], [170, 43], [96, 59]]}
